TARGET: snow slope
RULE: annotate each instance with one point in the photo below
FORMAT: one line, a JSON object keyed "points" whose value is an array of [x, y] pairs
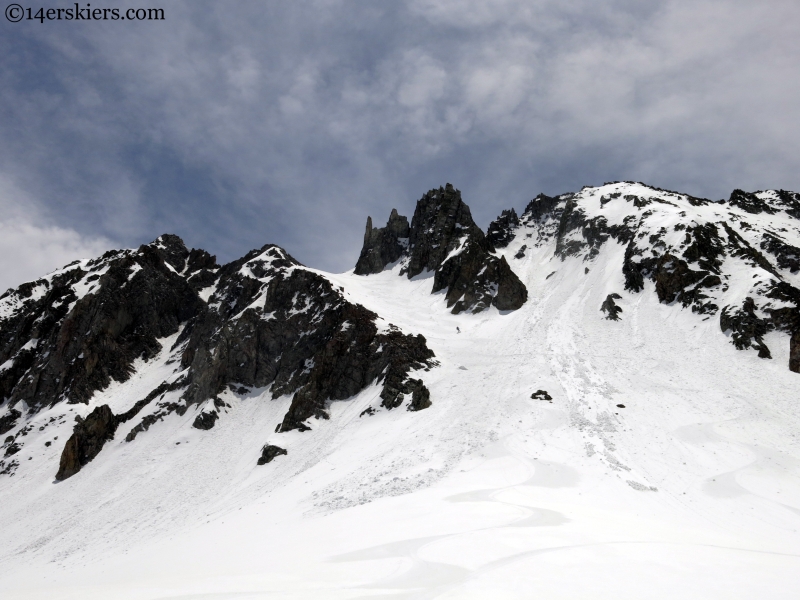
{"points": [[692, 490]]}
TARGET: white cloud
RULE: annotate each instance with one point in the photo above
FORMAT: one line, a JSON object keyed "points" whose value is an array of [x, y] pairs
{"points": [[30, 248]]}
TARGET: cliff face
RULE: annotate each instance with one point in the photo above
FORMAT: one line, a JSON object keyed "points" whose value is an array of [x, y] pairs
{"points": [[444, 239], [384, 245], [272, 322]]}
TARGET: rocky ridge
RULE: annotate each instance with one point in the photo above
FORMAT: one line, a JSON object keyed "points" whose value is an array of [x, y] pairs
{"points": [[444, 239], [735, 260], [263, 321], [265, 324]]}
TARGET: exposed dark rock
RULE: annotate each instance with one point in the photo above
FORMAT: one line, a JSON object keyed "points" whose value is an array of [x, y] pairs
{"points": [[750, 203], [90, 435], [672, 276], [794, 352], [541, 395], [12, 449], [445, 240], [369, 411], [420, 396], [383, 246], [790, 202], [705, 247], [474, 281], [163, 388], [9, 420], [739, 247], [610, 307], [87, 440], [501, 230], [301, 337], [205, 420], [521, 252], [441, 224], [638, 201], [572, 218], [788, 256], [747, 329], [633, 270], [593, 232], [270, 452], [620, 406], [134, 298], [8, 468], [606, 199], [540, 207], [164, 409]]}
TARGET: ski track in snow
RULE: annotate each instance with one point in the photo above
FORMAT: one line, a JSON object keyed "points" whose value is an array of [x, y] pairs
{"points": [[691, 490]]}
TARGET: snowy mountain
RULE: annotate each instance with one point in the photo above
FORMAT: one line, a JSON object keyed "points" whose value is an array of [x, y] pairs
{"points": [[594, 398]]}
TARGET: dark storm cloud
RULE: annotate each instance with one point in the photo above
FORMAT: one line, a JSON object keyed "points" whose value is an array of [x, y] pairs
{"points": [[234, 124]]}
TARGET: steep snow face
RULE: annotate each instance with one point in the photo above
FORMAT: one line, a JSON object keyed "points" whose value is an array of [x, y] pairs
{"points": [[735, 262], [564, 455]]}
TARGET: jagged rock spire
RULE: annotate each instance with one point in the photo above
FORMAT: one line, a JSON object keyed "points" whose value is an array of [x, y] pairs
{"points": [[443, 238], [384, 245]]}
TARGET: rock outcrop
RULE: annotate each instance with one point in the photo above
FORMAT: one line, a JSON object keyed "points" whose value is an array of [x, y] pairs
{"points": [[263, 320], [384, 245], [269, 453], [501, 230], [9, 420], [444, 239], [88, 438], [73, 332], [610, 307], [691, 249], [272, 322]]}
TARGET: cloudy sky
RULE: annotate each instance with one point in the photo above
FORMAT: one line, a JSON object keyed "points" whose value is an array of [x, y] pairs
{"points": [[236, 123]]}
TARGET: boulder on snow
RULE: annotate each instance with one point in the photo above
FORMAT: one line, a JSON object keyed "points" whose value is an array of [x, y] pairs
{"points": [[88, 438], [270, 452], [610, 307], [205, 420]]}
